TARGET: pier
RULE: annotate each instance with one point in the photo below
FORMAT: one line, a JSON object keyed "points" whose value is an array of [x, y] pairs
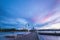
{"points": [[30, 36]]}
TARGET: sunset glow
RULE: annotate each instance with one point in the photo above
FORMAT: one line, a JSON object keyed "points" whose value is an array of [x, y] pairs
{"points": [[19, 13]]}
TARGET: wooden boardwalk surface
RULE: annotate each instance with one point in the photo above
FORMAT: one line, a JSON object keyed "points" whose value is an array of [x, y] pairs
{"points": [[30, 36]]}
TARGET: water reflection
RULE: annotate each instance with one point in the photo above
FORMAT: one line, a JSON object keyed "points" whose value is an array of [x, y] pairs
{"points": [[41, 37], [3, 34], [48, 37]]}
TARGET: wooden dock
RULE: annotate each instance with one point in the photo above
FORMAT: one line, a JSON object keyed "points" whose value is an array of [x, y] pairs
{"points": [[30, 36]]}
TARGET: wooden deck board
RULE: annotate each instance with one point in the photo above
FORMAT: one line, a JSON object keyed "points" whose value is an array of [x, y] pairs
{"points": [[30, 36]]}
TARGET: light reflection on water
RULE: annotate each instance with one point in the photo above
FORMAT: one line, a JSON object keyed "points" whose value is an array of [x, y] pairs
{"points": [[12, 33], [41, 37], [48, 37], [3, 34]]}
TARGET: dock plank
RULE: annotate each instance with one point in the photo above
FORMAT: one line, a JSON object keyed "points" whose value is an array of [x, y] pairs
{"points": [[30, 36]]}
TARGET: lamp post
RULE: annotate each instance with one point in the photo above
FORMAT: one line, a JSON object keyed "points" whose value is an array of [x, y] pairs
{"points": [[27, 25]]}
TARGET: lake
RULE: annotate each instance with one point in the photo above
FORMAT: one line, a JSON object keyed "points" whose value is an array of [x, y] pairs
{"points": [[41, 37], [3, 34], [48, 37]]}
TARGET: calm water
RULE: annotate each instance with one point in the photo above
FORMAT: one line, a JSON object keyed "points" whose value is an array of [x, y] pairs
{"points": [[48, 37], [3, 34], [41, 37]]}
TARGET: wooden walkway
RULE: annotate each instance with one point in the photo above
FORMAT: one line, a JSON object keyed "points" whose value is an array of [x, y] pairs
{"points": [[30, 36]]}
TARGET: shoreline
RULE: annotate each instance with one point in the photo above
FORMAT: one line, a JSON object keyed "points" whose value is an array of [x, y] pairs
{"points": [[51, 34]]}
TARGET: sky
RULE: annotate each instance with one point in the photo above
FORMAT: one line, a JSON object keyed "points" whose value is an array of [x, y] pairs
{"points": [[20, 13]]}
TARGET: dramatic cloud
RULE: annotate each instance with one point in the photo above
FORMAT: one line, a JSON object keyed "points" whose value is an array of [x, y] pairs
{"points": [[17, 13]]}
